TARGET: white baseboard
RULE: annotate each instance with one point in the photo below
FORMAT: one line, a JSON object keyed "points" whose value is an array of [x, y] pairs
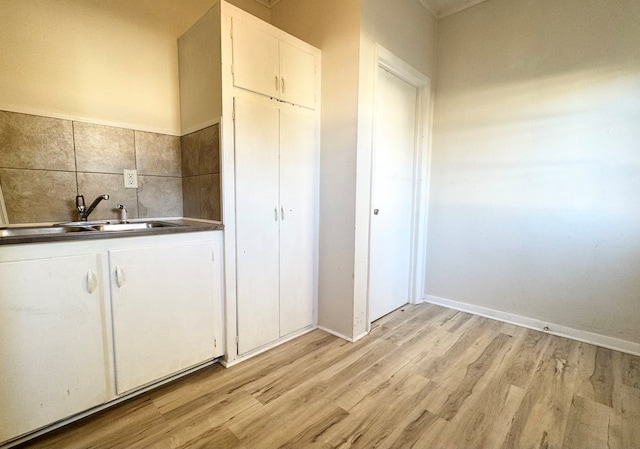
{"points": [[228, 363], [339, 335], [543, 326]]}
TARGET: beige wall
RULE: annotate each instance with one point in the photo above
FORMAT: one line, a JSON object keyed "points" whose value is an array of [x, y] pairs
{"points": [[112, 62], [535, 185]]}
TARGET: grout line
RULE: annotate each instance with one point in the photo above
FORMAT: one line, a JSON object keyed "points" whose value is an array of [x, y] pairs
{"points": [[75, 154]]}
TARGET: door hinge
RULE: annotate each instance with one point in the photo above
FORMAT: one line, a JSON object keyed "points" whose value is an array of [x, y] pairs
{"points": [[215, 343]]}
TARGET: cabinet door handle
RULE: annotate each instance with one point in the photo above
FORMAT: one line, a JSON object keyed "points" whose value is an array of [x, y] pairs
{"points": [[282, 85], [275, 213], [92, 282], [281, 213], [277, 84], [119, 276]]}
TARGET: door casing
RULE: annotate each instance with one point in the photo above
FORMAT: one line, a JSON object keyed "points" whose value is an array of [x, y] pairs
{"points": [[386, 60]]}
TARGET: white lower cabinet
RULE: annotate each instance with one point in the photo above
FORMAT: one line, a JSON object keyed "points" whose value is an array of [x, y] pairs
{"points": [[84, 323], [163, 301], [52, 345]]}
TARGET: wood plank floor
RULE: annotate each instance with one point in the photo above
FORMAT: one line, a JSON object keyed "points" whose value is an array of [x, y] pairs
{"points": [[426, 377]]}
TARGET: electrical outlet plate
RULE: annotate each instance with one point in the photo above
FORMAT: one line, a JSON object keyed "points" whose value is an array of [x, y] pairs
{"points": [[130, 179]]}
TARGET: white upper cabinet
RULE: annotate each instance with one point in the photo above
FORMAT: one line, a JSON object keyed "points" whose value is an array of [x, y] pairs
{"points": [[266, 64], [297, 76], [255, 59]]}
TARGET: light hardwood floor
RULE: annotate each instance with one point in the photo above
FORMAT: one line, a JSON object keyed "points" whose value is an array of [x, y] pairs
{"points": [[426, 377]]}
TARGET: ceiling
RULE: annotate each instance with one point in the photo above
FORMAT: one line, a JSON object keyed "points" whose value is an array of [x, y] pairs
{"points": [[442, 8], [439, 8]]}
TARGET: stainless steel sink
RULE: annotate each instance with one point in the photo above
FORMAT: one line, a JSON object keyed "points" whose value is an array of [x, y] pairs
{"points": [[40, 230], [83, 226], [133, 226]]}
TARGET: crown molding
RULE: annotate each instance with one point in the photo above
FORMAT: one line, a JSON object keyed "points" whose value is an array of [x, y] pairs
{"points": [[268, 3]]}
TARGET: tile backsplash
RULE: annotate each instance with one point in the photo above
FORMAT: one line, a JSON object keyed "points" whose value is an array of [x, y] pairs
{"points": [[201, 173], [45, 162]]}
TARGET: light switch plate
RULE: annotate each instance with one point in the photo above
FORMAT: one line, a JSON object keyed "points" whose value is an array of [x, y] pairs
{"points": [[130, 179]]}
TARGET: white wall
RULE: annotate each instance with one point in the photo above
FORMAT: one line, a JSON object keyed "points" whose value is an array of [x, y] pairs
{"points": [[112, 62], [535, 194]]}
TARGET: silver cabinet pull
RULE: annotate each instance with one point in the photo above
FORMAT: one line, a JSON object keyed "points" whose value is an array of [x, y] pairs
{"points": [[281, 213], [92, 281], [275, 213], [282, 84], [277, 86], [119, 276], [376, 211]]}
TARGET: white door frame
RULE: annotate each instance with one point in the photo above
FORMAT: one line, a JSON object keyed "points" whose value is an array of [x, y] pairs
{"points": [[386, 60]]}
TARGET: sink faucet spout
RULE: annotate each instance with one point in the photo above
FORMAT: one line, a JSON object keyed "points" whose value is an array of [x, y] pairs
{"points": [[83, 213]]}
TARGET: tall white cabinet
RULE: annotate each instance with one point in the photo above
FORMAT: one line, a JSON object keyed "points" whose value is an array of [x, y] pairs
{"points": [[268, 105], [275, 182]]}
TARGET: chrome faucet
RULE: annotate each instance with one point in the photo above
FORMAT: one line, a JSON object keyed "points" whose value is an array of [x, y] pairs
{"points": [[83, 212]]}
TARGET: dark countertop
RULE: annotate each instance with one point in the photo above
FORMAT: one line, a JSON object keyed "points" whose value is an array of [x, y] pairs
{"points": [[179, 226]]}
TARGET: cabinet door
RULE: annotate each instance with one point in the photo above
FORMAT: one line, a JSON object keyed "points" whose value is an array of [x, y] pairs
{"points": [[298, 181], [51, 341], [163, 301], [255, 59], [298, 76], [257, 216]]}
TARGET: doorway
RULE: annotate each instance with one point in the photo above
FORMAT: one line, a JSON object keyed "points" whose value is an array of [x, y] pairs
{"points": [[398, 189]]}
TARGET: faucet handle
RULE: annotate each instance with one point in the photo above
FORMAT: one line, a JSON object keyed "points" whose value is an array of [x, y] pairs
{"points": [[80, 202], [80, 207]]}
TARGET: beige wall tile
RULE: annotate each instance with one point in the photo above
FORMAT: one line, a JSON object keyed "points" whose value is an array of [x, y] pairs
{"points": [[209, 150], [158, 154], [30, 141], [33, 196], [159, 196], [91, 185], [201, 152], [189, 154], [209, 197], [191, 197], [103, 149]]}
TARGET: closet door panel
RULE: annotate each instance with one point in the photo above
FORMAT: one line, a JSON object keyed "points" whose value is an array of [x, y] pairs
{"points": [[298, 181], [257, 222]]}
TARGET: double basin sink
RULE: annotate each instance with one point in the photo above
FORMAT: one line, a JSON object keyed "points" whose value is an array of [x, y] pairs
{"points": [[84, 226]]}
